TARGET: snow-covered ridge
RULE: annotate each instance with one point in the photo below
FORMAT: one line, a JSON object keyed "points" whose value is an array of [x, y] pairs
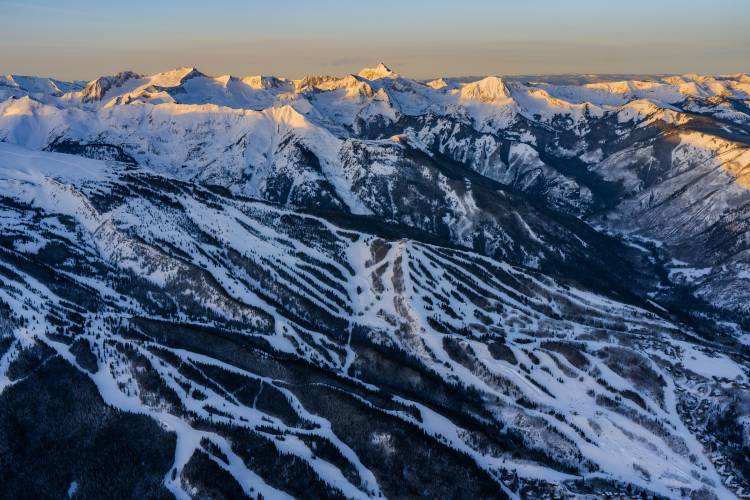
{"points": [[38, 85], [189, 86]]}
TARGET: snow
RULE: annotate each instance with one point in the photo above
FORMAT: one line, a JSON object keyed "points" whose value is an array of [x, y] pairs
{"points": [[28, 165], [688, 273], [718, 366]]}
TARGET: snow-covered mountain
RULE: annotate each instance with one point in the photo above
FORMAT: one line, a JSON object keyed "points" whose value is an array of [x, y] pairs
{"points": [[369, 285]]}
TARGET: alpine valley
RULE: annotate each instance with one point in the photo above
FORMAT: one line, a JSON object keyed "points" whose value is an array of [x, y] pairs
{"points": [[372, 286]]}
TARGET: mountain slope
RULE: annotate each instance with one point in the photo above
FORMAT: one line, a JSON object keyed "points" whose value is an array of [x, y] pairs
{"points": [[242, 326]]}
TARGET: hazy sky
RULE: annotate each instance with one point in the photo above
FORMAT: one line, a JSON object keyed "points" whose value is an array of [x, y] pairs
{"points": [[76, 39]]}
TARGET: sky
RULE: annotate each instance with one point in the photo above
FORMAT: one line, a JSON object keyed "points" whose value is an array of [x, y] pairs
{"points": [[76, 39]]}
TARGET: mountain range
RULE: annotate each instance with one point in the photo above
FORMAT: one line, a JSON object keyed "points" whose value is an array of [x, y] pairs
{"points": [[372, 286]]}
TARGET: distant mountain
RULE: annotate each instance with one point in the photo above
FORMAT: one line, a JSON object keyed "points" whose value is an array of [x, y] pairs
{"points": [[13, 85], [368, 286]]}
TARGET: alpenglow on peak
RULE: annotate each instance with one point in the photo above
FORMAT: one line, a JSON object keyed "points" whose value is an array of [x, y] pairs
{"points": [[378, 72]]}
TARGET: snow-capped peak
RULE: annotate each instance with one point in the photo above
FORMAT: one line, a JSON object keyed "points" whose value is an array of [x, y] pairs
{"points": [[490, 89], [378, 72], [312, 81], [261, 82], [437, 84], [175, 77]]}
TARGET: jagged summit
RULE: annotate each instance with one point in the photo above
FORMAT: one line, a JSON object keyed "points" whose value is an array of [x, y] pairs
{"points": [[312, 81], [96, 89], [378, 72]]}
